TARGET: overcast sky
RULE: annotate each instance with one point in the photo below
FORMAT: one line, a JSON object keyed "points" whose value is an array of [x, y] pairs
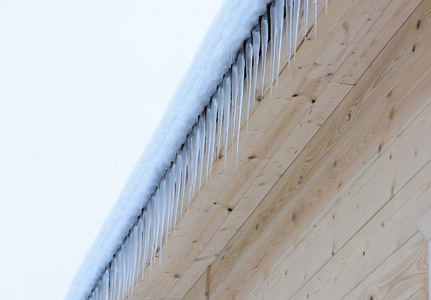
{"points": [[83, 83]]}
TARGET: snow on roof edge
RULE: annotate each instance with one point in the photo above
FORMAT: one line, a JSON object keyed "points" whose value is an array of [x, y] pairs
{"points": [[212, 60]]}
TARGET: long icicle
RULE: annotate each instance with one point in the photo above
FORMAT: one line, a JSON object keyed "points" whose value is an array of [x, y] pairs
{"points": [[140, 241], [156, 228], [256, 47], [134, 258], [189, 168], [177, 187], [120, 275], [273, 16], [315, 18], [209, 138], [184, 176], [234, 102], [214, 129], [107, 280], [169, 202], [220, 100], [152, 230], [279, 9], [202, 131], [298, 7], [241, 67], [248, 64], [289, 22], [147, 239], [227, 104], [305, 19], [264, 47], [208, 121], [196, 144]]}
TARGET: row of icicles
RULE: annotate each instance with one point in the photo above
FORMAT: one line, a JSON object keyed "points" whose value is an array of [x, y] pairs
{"points": [[219, 123]]}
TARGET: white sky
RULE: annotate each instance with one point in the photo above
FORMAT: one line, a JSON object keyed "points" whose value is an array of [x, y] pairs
{"points": [[83, 84]]}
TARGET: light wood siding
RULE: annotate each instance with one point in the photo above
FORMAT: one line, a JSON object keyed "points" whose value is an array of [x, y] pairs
{"points": [[333, 189]]}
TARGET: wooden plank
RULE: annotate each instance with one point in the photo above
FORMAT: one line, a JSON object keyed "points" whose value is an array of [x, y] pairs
{"points": [[370, 193], [383, 86], [422, 294], [400, 276], [198, 290], [362, 18], [374, 41], [207, 283], [350, 213], [304, 131], [424, 225], [373, 244]]}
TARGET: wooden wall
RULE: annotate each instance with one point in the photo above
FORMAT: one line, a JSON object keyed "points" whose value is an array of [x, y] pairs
{"points": [[332, 197]]}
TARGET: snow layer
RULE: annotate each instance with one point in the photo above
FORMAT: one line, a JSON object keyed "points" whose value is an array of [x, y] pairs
{"points": [[212, 60]]}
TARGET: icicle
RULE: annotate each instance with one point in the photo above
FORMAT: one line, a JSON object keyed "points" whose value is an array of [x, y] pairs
{"points": [[135, 261], [279, 35], [326, 6], [183, 176], [298, 7], [177, 187], [241, 67], [227, 98], [117, 278], [256, 48], [264, 47], [136, 255], [172, 176], [220, 115], [289, 16], [132, 259], [214, 110], [124, 272], [112, 280], [169, 203], [315, 18], [120, 275], [127, 266], [189, 167], [140, 241], [248, 61], [274, 20], [202, 131], [196, 146], [234, 101], [305, 19], [149, 224], [208, 139], [126, 269], [163, 204], [106, 284], [129, 263], [156, 218]]}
